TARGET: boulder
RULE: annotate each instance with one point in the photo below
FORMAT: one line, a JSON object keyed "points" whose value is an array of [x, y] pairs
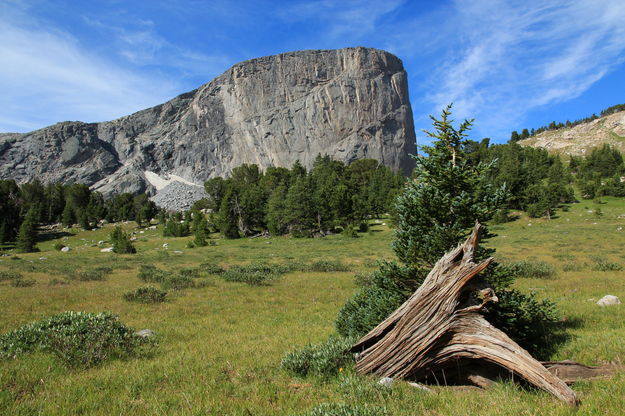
{"points": [[608, 300]]}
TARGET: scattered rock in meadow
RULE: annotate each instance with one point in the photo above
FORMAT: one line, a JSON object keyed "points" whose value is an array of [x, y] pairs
{"points": [[107, 250], [608, 300], [66, 249], [145, 333], [386, 382]]}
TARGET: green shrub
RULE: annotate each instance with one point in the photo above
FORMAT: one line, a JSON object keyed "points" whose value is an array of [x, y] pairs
{"points": [[350, 231], [146, 295], [121, 242], [9, 275], [189, 272], [325, 359], [363, 279], [527, 320], [177, 282], [255, 274], [530, 269], [151, 274], [328, 266], [90, 275], [340, 409], [57, 282], [78, 339], [58, 246], [363, 227], [23, 282], [211, 268], [572, 267], [389, 287], [604, 265]]}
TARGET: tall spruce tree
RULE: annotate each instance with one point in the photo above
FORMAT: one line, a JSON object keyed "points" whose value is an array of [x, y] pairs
{"points": [[27, 235], [435, 211]]}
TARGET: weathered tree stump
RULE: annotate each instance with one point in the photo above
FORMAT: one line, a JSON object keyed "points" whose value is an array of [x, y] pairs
{"points": [[440, 327]]}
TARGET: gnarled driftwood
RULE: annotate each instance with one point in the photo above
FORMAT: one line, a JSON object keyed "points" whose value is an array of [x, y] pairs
{"points": [[440, 327]]}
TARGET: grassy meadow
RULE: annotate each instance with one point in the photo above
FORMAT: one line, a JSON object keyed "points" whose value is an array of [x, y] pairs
{"points": [[220, 345]]}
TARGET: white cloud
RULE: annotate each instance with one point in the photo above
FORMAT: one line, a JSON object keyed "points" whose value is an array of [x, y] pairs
{"points": [[46, 77], [506, 58], [343, 20]]}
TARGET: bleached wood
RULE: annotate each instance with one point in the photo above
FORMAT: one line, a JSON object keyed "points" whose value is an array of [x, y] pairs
{"points": [[441, 325]]}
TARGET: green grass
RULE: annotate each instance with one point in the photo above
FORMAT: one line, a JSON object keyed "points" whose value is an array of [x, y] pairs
{"points": [[220, 346]]}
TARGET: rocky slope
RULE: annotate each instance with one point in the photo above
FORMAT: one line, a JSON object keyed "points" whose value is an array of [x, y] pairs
{"points": [[348, 103], [582, 138]]}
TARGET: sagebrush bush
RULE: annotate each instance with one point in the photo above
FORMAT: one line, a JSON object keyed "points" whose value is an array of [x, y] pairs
{"points": [[90, 275], [146, 295], [23, 282], [151, 274], [604, 265], [177, 282], [211, 268], [78, 339], [325, 359], [9, 275], [189, 272], [328, 266], [255, 274], [529, 269], [340, 409]]}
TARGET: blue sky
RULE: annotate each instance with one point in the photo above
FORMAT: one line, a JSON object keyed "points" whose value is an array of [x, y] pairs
{"points": [[508, 64]]}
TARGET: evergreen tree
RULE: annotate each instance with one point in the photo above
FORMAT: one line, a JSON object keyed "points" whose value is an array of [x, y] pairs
{"points": [[227, 220], [514, 137], [299, 208], [69, 218], [276, 207], [200, 229], [27, 235], [83, 220], [436, 209], [121, 242], [435, 212]]}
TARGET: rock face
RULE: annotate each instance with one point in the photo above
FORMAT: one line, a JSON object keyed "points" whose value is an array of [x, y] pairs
{"points": [[348, 103], [580, 139]]}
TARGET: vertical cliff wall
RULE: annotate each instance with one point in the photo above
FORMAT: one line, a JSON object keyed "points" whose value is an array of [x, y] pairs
{"points": [[348, 103]]}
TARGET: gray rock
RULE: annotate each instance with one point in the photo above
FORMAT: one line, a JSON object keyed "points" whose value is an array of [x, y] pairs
{"points": [[66, 249], [145, 333], [178, 196], [107, 250], [386, 382], [349, 103], [608, 300]]}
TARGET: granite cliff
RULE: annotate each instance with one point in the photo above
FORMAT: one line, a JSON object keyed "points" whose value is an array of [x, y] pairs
{"points": [[349, 103]]}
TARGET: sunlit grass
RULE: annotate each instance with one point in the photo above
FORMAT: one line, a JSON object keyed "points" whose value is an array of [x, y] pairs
{"points": [[221, 345]]}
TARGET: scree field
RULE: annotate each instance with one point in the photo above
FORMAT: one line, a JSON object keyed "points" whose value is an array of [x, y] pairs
{"points": [[220, 345]]}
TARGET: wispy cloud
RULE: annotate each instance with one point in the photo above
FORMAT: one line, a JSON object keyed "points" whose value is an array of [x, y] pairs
{"points": [[348, 19], [46, 76], [506, 58]]}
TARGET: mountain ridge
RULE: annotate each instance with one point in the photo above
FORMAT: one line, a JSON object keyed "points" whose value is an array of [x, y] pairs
{"points": [[349, 103]]}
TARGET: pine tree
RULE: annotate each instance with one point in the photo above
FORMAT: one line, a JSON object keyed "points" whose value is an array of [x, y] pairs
{"points": [[435, 211], [83, 220], [68, 218], [121, 242], [446, 197], [227, 219], [200, 229], [299, 208], [276, 206], [27, 235]]}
